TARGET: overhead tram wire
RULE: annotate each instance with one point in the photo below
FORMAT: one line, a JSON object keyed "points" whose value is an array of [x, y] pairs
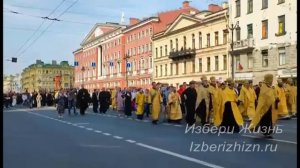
{"points": [[47, 28], [19, 50]]}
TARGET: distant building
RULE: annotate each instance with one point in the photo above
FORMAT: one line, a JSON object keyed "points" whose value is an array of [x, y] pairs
{"points": [[41, 76]]}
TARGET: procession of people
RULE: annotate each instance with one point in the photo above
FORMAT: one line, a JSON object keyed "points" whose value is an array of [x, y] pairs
{"points": [[225, 104]]}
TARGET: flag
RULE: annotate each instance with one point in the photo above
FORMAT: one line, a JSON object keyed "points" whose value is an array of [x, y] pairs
{"points": [[240, 66]]}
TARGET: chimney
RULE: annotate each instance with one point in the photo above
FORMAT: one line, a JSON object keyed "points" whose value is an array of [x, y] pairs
{"points": [[133, 21], [53, 62], [214, 8], [185, 4]]}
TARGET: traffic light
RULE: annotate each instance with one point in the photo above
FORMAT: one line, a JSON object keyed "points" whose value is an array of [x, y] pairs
{"points": [[14, 59]]}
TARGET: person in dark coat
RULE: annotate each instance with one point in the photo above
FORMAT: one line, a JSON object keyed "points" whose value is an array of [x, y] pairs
{"points": [[127, 104], [190, 97], [95, 100], [104, 98], [83, 98], [43, 98]]}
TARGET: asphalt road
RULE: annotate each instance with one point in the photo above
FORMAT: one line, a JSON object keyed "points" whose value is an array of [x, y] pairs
{"points": [[39, 139]]}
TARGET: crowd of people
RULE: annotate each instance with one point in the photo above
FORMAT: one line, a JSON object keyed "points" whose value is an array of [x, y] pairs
{"points": [[225, 104]]}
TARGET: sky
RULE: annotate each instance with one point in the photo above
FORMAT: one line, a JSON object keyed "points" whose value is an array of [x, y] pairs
{"points": [[29, 37]]}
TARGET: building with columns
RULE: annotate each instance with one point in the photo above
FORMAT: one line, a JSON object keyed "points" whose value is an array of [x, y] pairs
{"points": [[192, 46], [122, 54], [266, 41]]}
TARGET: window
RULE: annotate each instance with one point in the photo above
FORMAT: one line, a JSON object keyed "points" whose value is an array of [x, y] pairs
{"points": [[280, 1], [176, 68], [146, 48], [135, 36], [200, 40], [193, 41], [216, 63], [208, 40], [171, 69], [166, 70], [171, 45], [225, 36], [224, 62], [139, 35], [150, 61], [166, 50], [264, 29], [208, 64], [282, 57], [150, 31], [176, 44], [184, 42], [281, 25], [184, 67], [264, 4], [156, 52], [142, 64], [237, 62], [250, 60], [193, 66], [160, 51], [238, 34], [250, 6], [160, 70], [150, 48], [250, 31], [238, 8], [216, 38], [156, 71], [142, 49], [264, 54], [200, 64]]}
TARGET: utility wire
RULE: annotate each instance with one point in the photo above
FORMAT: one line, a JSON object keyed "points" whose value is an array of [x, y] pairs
{"points": [[18, 51], [47, 28]]}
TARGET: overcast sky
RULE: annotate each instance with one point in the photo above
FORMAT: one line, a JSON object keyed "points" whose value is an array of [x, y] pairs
{"points": [[62, 38]]}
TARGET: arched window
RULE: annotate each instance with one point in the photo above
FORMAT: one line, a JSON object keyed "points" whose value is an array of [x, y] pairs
{"points": [[193, 41], [184, 42]]}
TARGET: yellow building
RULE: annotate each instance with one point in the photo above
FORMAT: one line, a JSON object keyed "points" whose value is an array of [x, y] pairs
{"points": [[40, 76], [192, 46]]}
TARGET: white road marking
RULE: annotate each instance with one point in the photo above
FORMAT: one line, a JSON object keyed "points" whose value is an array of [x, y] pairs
{"points": [[118, 137], [130, 141], [177, 125], [89, 129], [81, 126], [166, 124], [180, 156], [107, 134], [97, 131], [278, 140], [81, 123], [146, 121]]}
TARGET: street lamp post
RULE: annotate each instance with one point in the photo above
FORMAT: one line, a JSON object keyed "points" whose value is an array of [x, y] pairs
{"points": [[232, 28], [126, 68], [82, 70]]}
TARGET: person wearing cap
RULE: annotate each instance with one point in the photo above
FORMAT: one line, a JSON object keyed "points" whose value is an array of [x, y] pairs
{"points": [[202, 102], [215, 100], [190, 96], [265, 115], [282, 110], [156, 100], [174, 113], [231, 118], [291, 97], [140, 100], [247, 101]]}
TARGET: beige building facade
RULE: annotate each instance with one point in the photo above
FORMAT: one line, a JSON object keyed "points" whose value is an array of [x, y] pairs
{"points": [[192, 46], [41, 76]]}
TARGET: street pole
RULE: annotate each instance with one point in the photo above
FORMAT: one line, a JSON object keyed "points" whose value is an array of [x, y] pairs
{"points": [[232, 28], [126, 69]]}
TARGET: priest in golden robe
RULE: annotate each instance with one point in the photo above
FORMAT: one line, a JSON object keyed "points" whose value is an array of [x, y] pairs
{"points": [[230, 116], [282, 110], [215, 101], [265, 115], [291, 96], [174, 101], [247, 101], [156, 101], [140, 101], [202, 101], [114, 98]]}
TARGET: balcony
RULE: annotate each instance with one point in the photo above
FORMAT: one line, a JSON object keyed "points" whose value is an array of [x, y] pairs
{"points": [[246, 45], [182, 54]]}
